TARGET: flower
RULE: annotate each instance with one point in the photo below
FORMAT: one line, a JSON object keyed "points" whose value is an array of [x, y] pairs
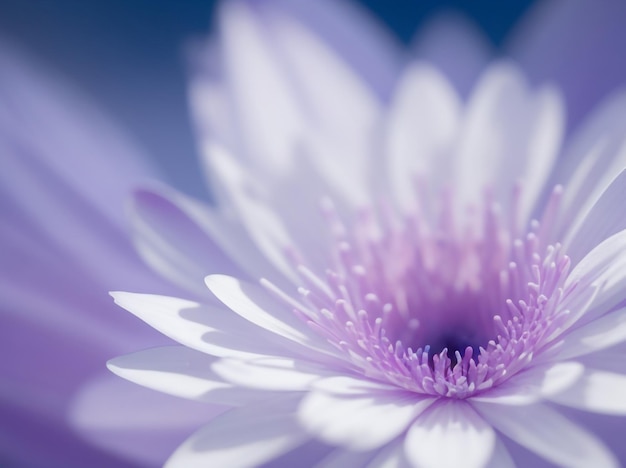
{"points": [[438, 278], [66, 170]]}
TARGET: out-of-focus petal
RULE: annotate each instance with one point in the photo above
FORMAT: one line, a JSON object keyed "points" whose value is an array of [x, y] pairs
{"points": [[176, 245], [576, 45], [598, 281], [544, 431], [243, 437], [597, 335], [120, 417], [593, 158], [605, 218], [456, 47], [360, 41], [511, 133], [423, 122], [65, 173], [597, 391]]}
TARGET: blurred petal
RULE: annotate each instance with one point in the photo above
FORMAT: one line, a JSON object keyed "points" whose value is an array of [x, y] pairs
{"points": [[546, 432], [120, 417], [456, 47], [576, 46], [174, 244], [593, 158], [424, 120], [603, 273], [243, 437], [597, 335], [603, 220], [597, 391], [511, 133]]}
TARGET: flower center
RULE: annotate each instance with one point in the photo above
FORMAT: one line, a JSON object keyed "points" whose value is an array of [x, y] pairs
{"points": [[435, 308]]}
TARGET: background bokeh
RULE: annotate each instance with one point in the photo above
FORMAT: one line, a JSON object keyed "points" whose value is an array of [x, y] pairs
{"points": [[128, 56]]}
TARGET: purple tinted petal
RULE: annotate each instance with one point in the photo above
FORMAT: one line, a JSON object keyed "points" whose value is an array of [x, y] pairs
{"points": [[353, 34], [578, 45], [65, 173], [456, 47], [121, 418]]}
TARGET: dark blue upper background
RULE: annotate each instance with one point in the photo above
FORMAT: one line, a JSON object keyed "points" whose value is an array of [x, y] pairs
{"points": [[126, 54]]}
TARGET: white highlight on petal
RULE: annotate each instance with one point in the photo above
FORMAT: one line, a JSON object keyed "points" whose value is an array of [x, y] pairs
{"points": [[262, 95], [603, 270], [209, 329], [173, 244], [243, 437], [601, 222], [509, 133], [422, 123], [239, 191], [254, 304], [534, 384], [181, 372], [450, 434], [360, 422], [597, 391], [346, 385], [597, 335], [281, 374], [545, 432], [594, 157]]}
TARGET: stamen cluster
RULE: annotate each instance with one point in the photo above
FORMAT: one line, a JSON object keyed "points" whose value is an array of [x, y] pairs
{"points": [[432, 308]]}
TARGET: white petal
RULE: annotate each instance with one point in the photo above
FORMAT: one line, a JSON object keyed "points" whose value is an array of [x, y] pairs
{"points": [[275, 220], [210, 329], [597, 335], [345, 385], [181, 372], [603, 271], [450, 434], [121, 417], [337, 103], [279, 374], [254, 304], [174, 245], [603, 220], [262, 95], [595, 156], [534, 384], [360, 422], [510, 134], [597, 391], [423, 121], [224, 245], [243, 437], [545, 432], [240, 191]]}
